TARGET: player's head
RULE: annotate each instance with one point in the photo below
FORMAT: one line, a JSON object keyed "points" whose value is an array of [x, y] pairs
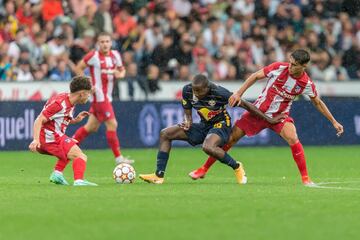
{"points": [[105, 42], [81, 88], [200, 85], [299, 60]]}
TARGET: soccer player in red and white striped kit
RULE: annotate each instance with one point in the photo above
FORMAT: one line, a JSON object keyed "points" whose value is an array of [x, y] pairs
{"points": [[285, 82], [105, 67], [50, 127]]}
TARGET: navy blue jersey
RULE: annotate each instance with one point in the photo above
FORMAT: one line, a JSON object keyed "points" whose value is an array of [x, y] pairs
{"points": [[212, 107]]}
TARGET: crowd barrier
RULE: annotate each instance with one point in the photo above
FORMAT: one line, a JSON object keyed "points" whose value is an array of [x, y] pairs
{"points": [[140, 123]]}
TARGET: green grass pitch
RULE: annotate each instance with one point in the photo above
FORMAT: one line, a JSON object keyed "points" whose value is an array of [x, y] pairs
{"points": [[273, 205]]}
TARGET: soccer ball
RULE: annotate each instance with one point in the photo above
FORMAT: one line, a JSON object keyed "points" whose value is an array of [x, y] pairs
{"points": [[124, 173]]}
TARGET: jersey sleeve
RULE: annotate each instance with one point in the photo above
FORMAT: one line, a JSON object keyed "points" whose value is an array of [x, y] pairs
{"points": [[186, 101], [118, 59], [269, 68], [88, 58], [51, 110], [224, 93], [310, 90]]}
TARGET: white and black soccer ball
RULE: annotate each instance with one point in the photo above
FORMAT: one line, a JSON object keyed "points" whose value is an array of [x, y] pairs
{"points": [[124, 173]]}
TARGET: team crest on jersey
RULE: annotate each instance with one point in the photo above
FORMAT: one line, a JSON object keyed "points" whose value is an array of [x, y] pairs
{"points": [[212, 102], [195, 99], [184, 102], [107, 114], [297, 89]]}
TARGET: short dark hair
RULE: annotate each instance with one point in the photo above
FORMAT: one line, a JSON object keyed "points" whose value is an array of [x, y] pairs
{"points": [[79, 83], [101, 34], [200, 79], [301, 56]]}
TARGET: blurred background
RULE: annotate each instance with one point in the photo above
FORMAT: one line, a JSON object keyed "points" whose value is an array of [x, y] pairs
{"points": [[163, 43]]}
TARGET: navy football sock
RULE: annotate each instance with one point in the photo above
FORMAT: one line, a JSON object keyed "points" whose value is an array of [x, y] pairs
{"points": [[228, 160], [161, 163]]}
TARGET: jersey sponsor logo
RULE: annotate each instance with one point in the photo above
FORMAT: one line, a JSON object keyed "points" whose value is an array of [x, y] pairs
{"points": [[208, 114], [283, 93], [212, 102], [184, 102], [107, 71], [297, 89]]}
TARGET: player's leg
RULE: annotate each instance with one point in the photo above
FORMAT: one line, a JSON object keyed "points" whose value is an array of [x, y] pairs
{"points": [[113, 141], [91, 126], [167, 135], [288, 133], [57, 175], [216, 138], [235, 136], [79, 166]]}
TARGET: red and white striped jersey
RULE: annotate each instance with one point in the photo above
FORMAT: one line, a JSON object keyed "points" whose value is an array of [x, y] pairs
{"points": [[59, 112], [281, 89], [102, 69]]}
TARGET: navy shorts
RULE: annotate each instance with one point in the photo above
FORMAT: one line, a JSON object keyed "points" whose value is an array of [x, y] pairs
{"points": [[198, 132]]}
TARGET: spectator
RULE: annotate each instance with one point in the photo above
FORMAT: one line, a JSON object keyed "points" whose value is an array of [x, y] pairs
{"points": [[5, 68], [102, 18], [336, 72], [23, 73], [61, 72]]}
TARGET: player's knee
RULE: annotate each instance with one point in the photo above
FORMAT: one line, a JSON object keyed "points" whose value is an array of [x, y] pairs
{"points": [[208, 148], [92, 129], [164, 135], [292, 140], [83, 156]]}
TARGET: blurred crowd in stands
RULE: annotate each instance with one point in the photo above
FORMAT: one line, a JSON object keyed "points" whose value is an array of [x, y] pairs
{"points": [[163, 40]]}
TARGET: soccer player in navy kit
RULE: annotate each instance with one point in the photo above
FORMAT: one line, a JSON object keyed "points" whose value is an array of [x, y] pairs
{"points": [[212, 132]]}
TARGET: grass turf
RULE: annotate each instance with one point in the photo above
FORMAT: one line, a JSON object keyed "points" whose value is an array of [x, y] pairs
{"points": [[273, 205]]}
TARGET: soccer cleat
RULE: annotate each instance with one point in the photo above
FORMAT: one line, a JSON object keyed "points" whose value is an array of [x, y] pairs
{"points": [[240, 174], [198, 173], [151, 178], [81, 182], [307, 182], [122, 159], [58, 178]]}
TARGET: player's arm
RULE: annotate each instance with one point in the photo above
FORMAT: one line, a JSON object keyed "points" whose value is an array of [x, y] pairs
{"points": [[321, 107], [119, 72], [39, 121], [254, 110], [187, 119], [80, 67], [80, 117], [236, 97]]}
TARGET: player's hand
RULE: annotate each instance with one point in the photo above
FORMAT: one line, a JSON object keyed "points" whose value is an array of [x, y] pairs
{"points": [[82, 115], [234, 100], [185, 125], [339, 129], [278, 119], [119, 74], [34, 145]]}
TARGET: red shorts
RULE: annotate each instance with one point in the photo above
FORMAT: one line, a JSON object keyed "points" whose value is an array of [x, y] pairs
{"points": [[252, 125], [59, 149], [103, 111]]}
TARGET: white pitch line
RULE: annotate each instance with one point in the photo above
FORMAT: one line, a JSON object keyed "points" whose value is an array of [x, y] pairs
{"points": [[328, 183], [338, 188], [320, 185]]}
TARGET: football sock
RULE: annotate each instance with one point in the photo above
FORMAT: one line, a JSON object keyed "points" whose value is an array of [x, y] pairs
{"points": [[162, 159], [210, 161], [228, 160], [79, 166], [299, 157], [61, 164], [80, 134], [113, 142]]}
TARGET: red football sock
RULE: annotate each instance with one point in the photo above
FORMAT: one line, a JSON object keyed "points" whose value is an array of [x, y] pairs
{"points": [[113, 142], [61, 164], [210, 161], [79, 166], [299, 157], [80, 134]]}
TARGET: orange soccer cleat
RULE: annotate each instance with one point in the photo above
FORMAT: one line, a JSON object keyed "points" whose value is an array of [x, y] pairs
{"points": [[240, 174]]}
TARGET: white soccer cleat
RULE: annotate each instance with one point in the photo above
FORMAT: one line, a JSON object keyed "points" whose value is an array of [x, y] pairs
{"points": [[122, 159]]}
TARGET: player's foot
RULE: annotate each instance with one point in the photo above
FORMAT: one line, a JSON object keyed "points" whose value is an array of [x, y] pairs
{"points": [[240, 174], [198, 173], [58, 178], [122, 159], [307, 182], [81, 182], [151, 178]]}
